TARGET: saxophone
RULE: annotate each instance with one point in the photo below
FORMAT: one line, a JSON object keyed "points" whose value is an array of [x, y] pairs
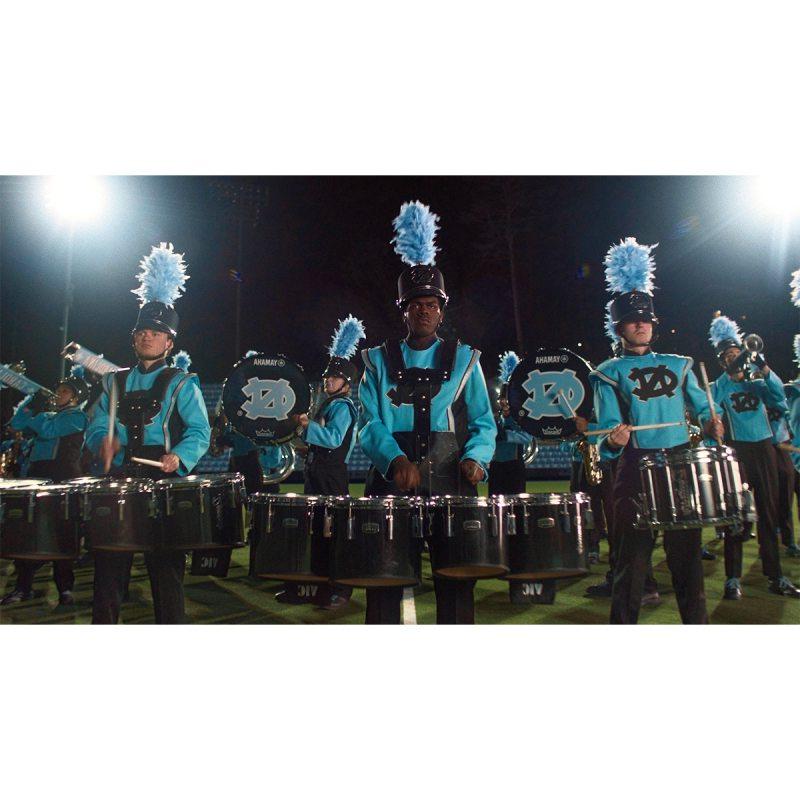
{"points": [[591, 461]]}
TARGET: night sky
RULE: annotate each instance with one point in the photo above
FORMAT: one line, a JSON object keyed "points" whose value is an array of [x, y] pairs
{"points": [[315, 249]]}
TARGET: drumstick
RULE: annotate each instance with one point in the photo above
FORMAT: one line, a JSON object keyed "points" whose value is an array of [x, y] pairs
{"points": [[650, 427], [707, 386], [789, 447], [112, 422], [569, 407], [147, 462]]}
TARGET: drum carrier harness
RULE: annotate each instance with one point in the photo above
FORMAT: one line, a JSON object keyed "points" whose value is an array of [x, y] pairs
{"points": [[321, 456], [440, 448], [138, 408]]}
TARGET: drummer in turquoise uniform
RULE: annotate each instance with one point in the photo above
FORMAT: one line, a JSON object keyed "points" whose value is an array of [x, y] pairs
{"points": [[329, 437], [426, 420], [161, 416], [781, 438], [643, 387], [55, 453], [745, 399]]}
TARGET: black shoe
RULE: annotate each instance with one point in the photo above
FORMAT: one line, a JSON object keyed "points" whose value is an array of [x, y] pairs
{"points": [[651, 598], [292, 598], [16, 597], [66, 599], [733, 589], [784, 587], [594, 557], [598, 590], [335, 601], [707, 555]]}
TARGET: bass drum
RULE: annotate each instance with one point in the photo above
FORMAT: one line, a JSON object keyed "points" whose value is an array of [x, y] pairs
{"points": [[545, 389], [261, 395]]}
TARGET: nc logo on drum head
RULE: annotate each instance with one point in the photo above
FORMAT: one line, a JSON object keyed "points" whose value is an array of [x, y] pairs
{"points": [[543, 393], [270, 399]]}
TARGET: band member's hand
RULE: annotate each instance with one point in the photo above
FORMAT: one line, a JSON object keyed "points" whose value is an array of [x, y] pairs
{"points": [[620, 436], [715, 429], [405, 474], [108, 449], [581, 424], [169, 462], [505, 408], [471, 470], [300, 420]]}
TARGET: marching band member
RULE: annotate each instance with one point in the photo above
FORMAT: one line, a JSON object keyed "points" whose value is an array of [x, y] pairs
{"points": [[643, 387], [56, 454], [781, 435], [161, 416], [329, 435], [426, 420], [745, 403], [507, 475]]}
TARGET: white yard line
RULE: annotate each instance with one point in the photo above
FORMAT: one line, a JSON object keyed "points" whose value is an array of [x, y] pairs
{"points": [[409, 607]]}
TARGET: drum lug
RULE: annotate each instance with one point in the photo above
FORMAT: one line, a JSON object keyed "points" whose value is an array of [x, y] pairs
{"points": [[86, 512], [327, 523], [310, 519], [526, 521], [417, 524], [350, 524], [588, 518], [512, 521], [31, 506], [448, 525], [202, 501], [168, 501], [65, 504], [566, 520], [270, 516], [121, 507], [390, 525], [2, 511]]}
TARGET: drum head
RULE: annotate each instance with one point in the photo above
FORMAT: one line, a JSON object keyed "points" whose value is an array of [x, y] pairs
{"points": [[260, 396], [535, 392]]}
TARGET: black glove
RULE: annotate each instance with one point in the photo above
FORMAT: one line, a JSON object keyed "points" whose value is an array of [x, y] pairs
{"points": [[759, 360]]}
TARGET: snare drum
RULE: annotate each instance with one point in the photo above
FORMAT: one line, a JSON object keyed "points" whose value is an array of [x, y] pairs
{"points": [[120, 514], [548, 536], [468, 536], [692, 488], [290, 538], [377, 541], [40, 521]]}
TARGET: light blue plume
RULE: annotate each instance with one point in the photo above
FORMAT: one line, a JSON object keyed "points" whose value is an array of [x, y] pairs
{"points": [[630, 267], [610, 328], [251, 353], [796, 347], [78, 371], [795, 287], [724, 329], [162, 277], [182, 360], [346, 338], [508, 362], [416, 228]]}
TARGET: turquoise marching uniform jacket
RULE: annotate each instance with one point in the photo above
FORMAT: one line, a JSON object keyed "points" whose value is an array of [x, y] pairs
{"points": [[745, 405], [381, 417], [182, 396], [49, 428], [779, 422], [643, 390], [510, 437], [329, 432], [792, 391]]}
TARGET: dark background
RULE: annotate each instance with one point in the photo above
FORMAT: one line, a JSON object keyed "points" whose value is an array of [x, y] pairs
{"points": [[312, 250]]}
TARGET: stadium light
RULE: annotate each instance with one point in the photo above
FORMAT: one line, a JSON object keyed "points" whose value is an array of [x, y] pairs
{"points": [[75, 198], [779, 194]]}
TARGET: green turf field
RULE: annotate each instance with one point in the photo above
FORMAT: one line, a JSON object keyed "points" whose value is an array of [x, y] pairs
{"points": [[241, 599]]}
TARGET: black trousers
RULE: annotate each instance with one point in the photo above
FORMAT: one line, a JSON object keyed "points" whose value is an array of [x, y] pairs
{"points": [[635, 548], [785, 495], [63, 576], [758, 464], [455, 601], [250, 468], [165, 569]]}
